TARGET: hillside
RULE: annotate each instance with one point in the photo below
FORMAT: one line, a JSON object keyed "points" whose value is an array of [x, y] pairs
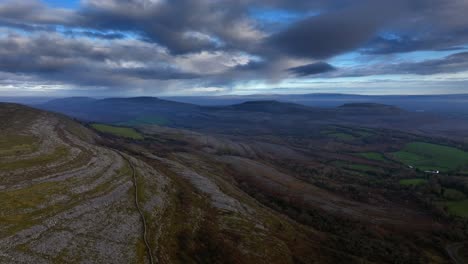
{"points": [[77, 193], [67, 199], [246, 118], [115, 110]]}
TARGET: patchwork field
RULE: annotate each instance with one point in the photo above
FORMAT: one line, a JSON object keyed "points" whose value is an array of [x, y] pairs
{"points": [[426, 156]]}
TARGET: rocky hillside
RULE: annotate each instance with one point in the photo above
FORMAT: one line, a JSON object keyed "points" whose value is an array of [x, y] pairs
{"points": [[67, 199], [72, 194], [63, 198]]}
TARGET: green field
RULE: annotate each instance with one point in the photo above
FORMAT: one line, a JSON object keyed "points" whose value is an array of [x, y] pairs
{"points": [[458, 208], [118, 131], [373, 156], [426, 156], [413, 182]]}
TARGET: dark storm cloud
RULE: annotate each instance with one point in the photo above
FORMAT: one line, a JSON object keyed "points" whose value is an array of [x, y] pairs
{"points": [[311, 69], [185, 26], [430, 25], [182, 26], [338, 31], [130, 42]]}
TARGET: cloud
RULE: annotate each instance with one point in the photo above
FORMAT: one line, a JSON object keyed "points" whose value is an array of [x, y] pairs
{"points": [[174, 24], [455, 63], [335, 32], [451, 64], [34, 12], [428, 25], [145, 44], [84, 62], [313, 68]]}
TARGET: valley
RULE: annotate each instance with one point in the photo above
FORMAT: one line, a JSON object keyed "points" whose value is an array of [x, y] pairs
{"points": [[233, 132], [242, 184]]}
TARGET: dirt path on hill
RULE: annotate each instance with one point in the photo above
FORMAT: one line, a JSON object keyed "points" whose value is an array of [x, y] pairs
{"points": [[137, 203]]}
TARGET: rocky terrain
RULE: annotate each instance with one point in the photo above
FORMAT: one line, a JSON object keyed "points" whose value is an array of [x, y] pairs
{"points": [[66, 199], [72, 194], [63, 198]]}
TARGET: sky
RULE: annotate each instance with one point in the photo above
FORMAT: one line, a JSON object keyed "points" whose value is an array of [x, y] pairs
{"points": [[225, 47]]}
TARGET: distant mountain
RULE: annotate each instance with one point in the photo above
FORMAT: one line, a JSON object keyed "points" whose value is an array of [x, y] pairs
{"points": [[270, 106], [372, 108], [367, 105], [144, 101], [69, 102], [117, 110], [440, 104], [257, 117]]}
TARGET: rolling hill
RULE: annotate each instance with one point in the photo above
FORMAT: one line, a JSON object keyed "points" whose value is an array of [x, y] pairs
{"points": [[66, 198], [78, 192]]}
